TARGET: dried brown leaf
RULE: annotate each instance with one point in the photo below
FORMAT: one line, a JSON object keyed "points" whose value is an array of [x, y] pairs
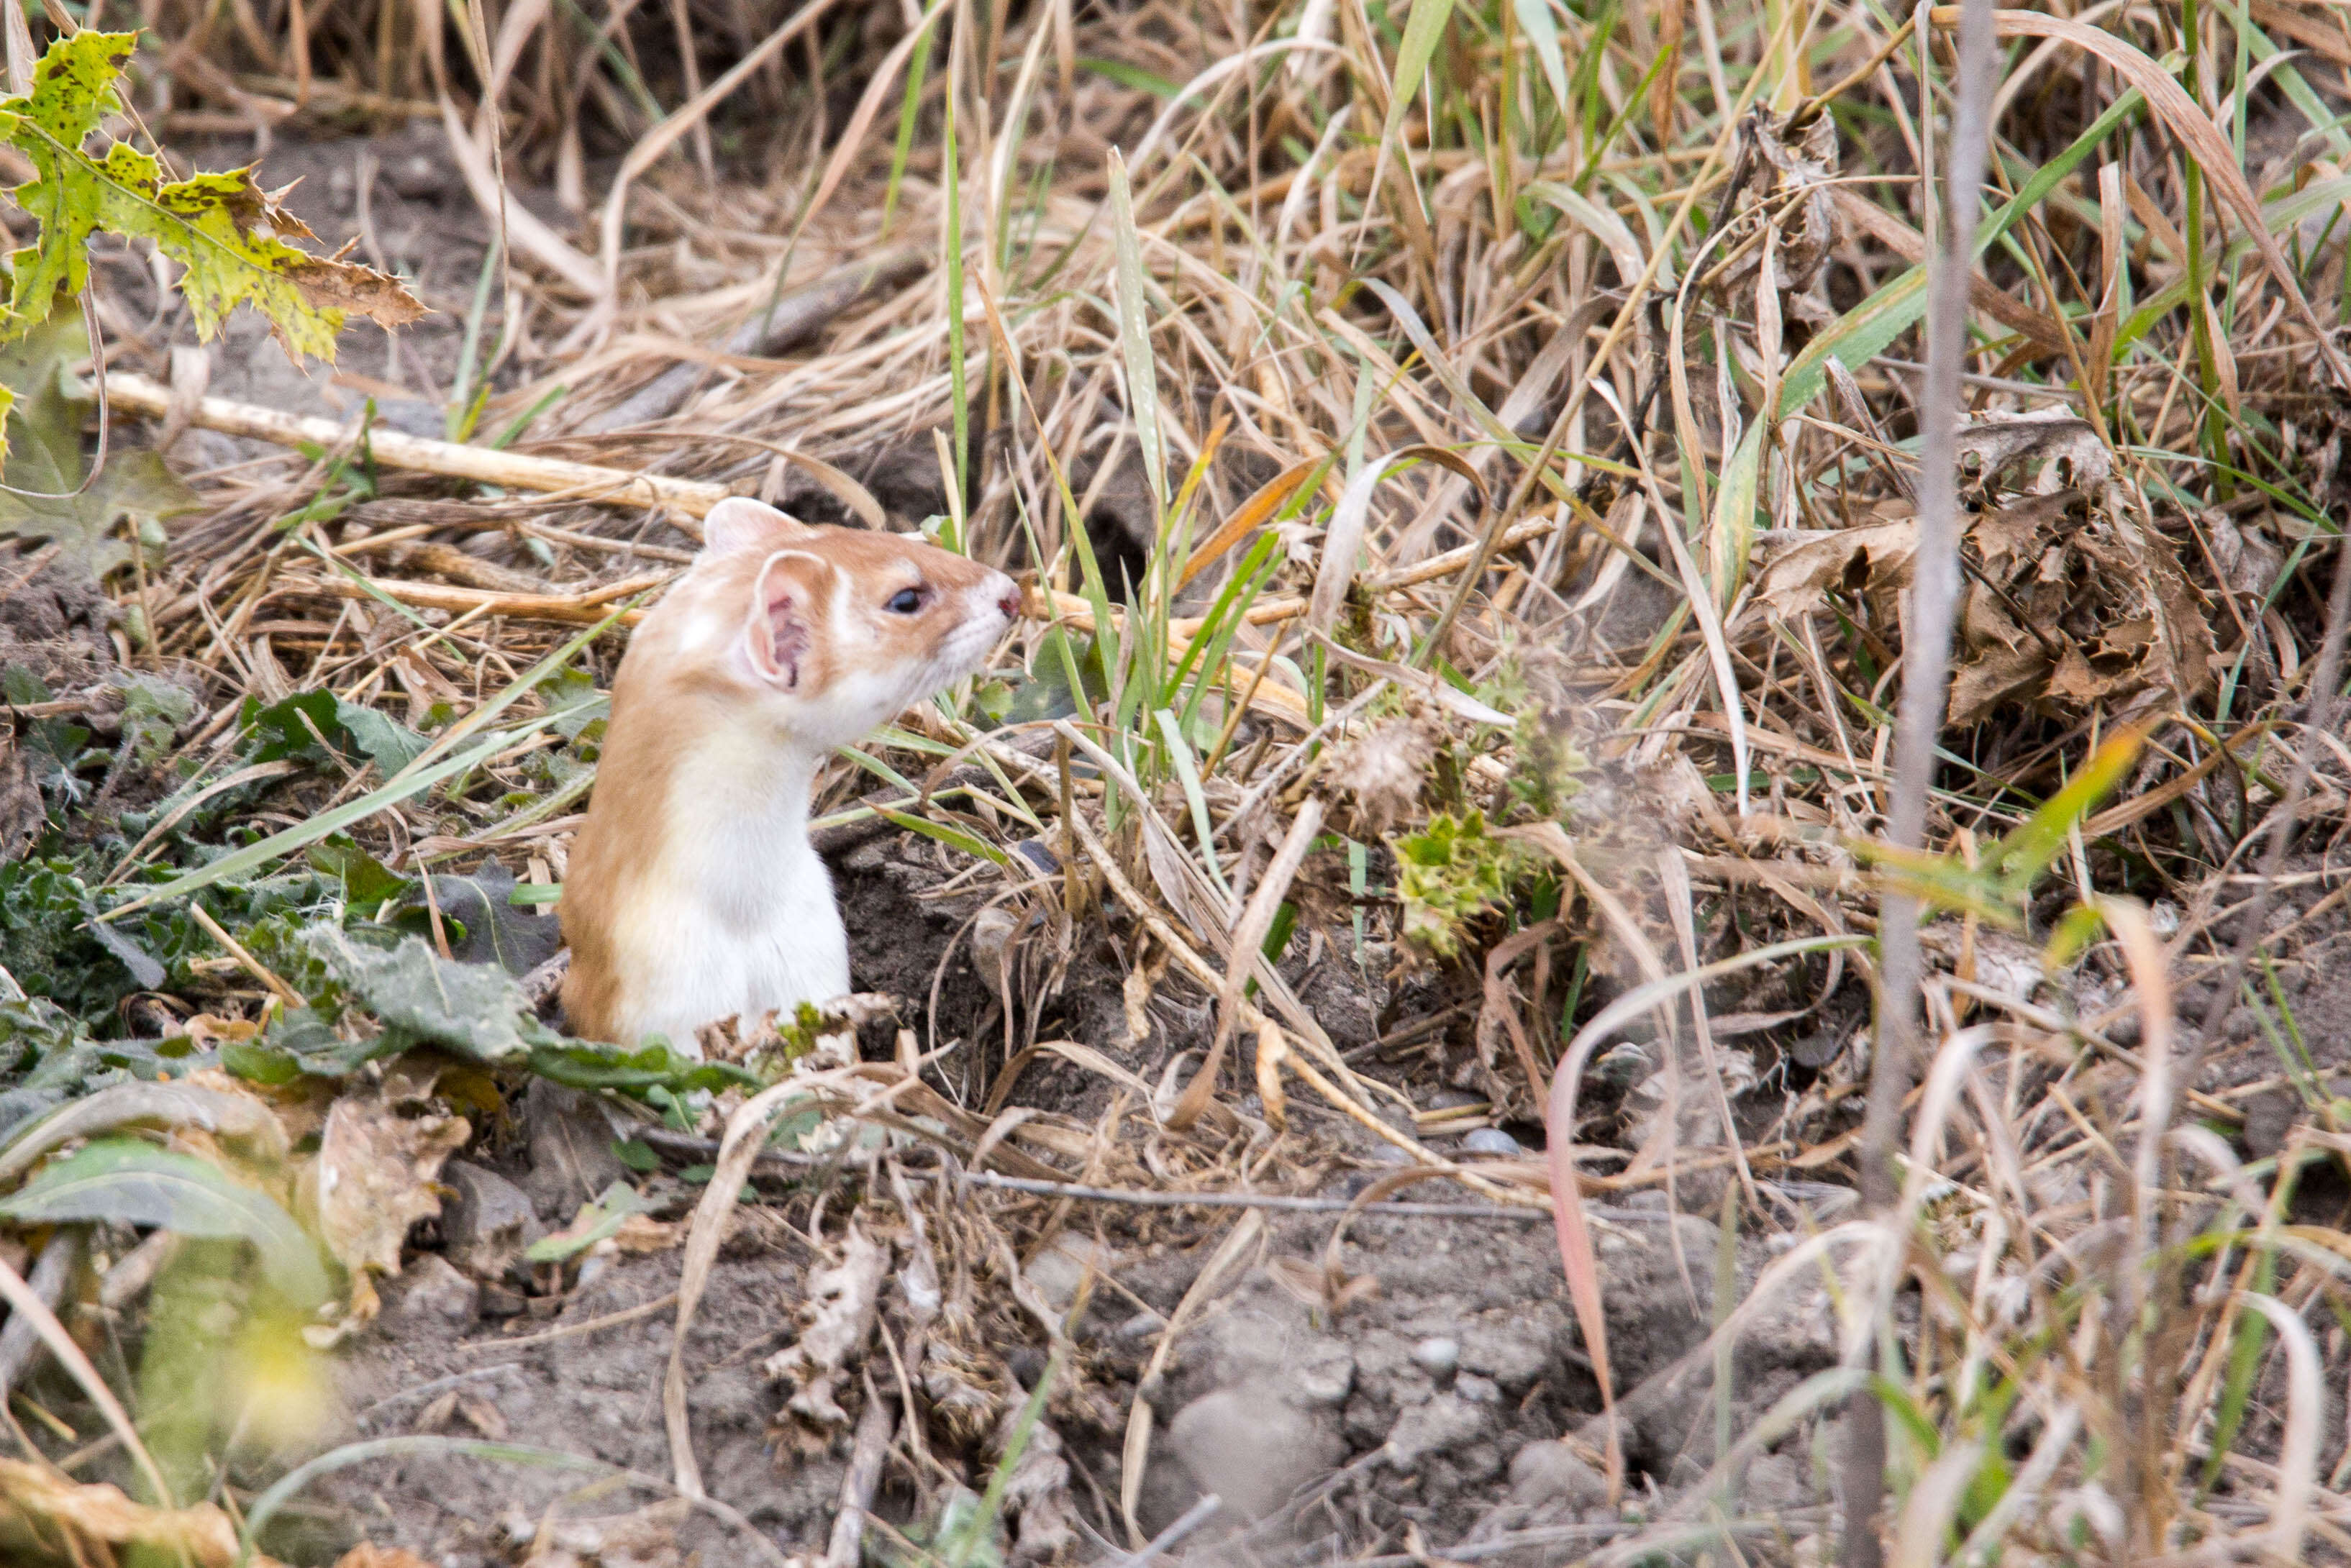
{"points": [[1875, 556], [46, 1519], [836, 1319], [328, 284], [376, 1177]]}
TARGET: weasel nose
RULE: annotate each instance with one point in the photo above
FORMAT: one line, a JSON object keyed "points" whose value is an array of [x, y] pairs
{"points": [[1009, 601]]}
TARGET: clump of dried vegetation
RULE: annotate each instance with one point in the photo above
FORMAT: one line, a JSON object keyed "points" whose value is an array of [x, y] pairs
{"points": [[1517, 493]]}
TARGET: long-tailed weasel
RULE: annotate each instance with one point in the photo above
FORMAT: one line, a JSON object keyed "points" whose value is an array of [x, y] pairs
{"points": [[693, 896]]}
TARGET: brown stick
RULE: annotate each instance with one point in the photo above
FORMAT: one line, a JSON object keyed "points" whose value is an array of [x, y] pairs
{"points": [[571, 609], [132, 393]]}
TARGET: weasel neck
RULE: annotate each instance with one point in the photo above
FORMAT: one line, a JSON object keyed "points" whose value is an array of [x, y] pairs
{"points": [[759, 790]]}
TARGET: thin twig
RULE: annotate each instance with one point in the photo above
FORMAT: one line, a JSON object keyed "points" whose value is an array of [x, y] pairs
{"points": [[1926, 658]]}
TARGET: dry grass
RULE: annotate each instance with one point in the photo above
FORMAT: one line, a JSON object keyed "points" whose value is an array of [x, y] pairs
{"points": [[1545, 445]]}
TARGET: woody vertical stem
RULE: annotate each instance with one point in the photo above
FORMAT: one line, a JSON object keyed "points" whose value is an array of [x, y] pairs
{"points": [[1925, 657]]}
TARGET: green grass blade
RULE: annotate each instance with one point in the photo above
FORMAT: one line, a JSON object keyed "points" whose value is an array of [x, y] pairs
{"points": [[1142, 371], [1863, 332], [2028, 848], [1423, 28], [910, 107]]}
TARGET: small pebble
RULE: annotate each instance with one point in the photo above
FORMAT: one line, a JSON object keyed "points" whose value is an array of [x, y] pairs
{"points": [[1437, 1356], [1141, 1325], [1492, 1141], [1477, 1390]]}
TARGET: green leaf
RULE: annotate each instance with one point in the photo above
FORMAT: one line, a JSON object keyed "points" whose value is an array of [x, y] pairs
{"points": [[595, 1222], [367, 881], [122, 1181], [279, 729], [46, 499], [585, 1064], [953, 838], [294, 726], [153, 711], [475, 1009], [301, 1041], [414, 780], [389, 745], [2027, 851], [1135, 77], [1448, 874], [220, 227]]}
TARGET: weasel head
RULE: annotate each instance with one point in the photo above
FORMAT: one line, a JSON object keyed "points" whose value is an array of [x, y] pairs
{"points": [[823, 633]]}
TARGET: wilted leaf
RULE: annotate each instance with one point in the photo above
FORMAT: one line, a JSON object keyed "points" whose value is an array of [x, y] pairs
{"points": [[492, 930], [47, 1518], [122, 1181], [836, 1319], [44, 497], [222, 227], [2043, 453], [1852, 560], [376, 1174], [476, 1009]]}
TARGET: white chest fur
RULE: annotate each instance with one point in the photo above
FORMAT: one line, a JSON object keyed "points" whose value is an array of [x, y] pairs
{"points": [[740, 919]]}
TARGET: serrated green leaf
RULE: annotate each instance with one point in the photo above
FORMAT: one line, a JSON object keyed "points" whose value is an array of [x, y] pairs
{"points": [[222, 228], [122, 1181]]}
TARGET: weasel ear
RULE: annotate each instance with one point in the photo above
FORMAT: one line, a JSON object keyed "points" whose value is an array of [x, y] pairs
{"points": [[741, 523], [779, 632]]}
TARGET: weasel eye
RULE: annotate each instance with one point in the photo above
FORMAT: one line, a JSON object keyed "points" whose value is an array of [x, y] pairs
{"points": [[906, 601]]}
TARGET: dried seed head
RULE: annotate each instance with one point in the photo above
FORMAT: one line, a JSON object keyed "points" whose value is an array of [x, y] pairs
{"points": [[1383, 772]]}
